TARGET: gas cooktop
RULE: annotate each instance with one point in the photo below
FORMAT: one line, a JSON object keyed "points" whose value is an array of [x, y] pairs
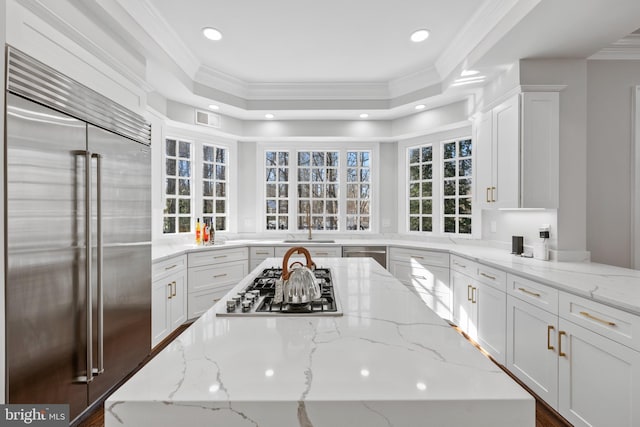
{"points": [[257, 299]]}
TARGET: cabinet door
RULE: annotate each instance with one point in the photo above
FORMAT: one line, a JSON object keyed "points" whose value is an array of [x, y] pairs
{"points": [[506, 154], [160, 306], [178, 301], [490, 311], [599, 381], [532, 348], [463, 309], [484, 160]]}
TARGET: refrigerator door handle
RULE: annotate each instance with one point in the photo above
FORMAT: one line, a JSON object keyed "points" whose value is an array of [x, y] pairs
{"points": [[100, 297]]}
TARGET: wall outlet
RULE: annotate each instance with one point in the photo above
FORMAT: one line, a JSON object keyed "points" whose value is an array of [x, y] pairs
{"points": [[544, 230]]}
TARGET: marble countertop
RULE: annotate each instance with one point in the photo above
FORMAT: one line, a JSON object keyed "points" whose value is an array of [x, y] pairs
{"points": [[389, 360], [615, 286]]}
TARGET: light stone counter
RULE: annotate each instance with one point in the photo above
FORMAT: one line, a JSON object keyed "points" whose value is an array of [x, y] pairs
{"points": [[388, 361], [615, 286]]}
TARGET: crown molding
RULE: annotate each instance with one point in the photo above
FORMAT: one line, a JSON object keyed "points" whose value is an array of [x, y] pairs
{"points": [[318, 91], [413, 82], [152, 22], [627, 48]]}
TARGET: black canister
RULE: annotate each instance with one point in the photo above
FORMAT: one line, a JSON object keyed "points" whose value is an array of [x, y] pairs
{"points": [[517, 245]]}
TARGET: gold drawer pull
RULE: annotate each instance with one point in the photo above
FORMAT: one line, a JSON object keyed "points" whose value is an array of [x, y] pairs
{"points": [[459, 265], [597, 319], [488, 198], [560, 353], [219, 256], [488, 276], [549, 346], [493, 194], [473, 295], [322, 253], [219, 275], [468, 292], [175, 287], [169, 268], [170, 290], [535, 294], [417, 257], [262, 253]]}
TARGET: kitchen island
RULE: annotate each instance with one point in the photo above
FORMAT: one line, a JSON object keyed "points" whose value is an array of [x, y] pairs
{"points": [[387, 361]]}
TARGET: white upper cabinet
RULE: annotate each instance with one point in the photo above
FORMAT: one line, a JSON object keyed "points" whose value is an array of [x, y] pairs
{"points": [[517, 153]]}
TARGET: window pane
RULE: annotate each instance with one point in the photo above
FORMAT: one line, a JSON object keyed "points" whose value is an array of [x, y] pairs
{"points": [[364, 223], [332, 191], [283, 159], [271, 222], [184, 187], [270, 158], [184, 206], [184, 168], [184, 149], [283, 174], [352, 207], [427, 223], [427, 154], [449, 150], [450, 187], [207, 153], [332, 159], [426, 207], [271, 174], [464, 226], [184, 225], [171, 167], [221, 189], [171, 186], [426, 189], [464, 187], [352, 223], [427, 172], [170, 207], [169, 225], [464, 206], [332, 223], [220, 206], [414, 206], [465, 148], [449, 225], [221, 155], [271, 206], [352, 175], [207, 189], [364, 191], [364, 208], [464, 167], [304, 175], [332, 175], [449, 169], [283, 223], [283, 206], [304, 159], [364, 159], [332, 207], [449, 206], [317, 207], [207, 206], [303, 190], [352, 158], [221, 223], [221, 173], [318, 158], [364, 175], [271, 190], [414, 223], [414, 173], [414, 155], [414, 190], [207, 171], [317, 191], [283, 190], [317, 175], [171, 151], [303, 206]]}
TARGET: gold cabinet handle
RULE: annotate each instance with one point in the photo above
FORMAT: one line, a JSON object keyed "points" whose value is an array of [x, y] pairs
{"points": [[493, 194], [219, 275], [468, 292], [322, 253], [459, 265], [219, 256], [535, 294], [549, 329], [597, 319], [473, 295], [170, 291], [560, 353], [262, 253], [170, 267], [488, 276], [175, 288], [488, 197]]}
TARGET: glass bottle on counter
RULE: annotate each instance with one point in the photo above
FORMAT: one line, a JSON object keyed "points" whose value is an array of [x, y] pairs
{"points": [[198, 232]]}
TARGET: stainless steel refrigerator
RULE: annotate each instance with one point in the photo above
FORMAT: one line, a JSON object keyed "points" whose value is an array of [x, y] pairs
{"points": [[78, 240]]}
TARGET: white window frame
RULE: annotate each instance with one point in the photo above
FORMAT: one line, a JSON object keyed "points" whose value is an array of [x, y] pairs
{"points": [[435, 140], [198, 140], [177, 178], [457, 178], [324, 146]]}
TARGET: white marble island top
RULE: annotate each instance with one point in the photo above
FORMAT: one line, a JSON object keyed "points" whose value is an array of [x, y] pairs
{"points": [[388, 361]]}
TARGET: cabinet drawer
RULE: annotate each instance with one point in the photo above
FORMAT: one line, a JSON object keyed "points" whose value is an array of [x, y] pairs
{"points": [[610, 322], [433, 258], [217, 256], [463, 265], [207, 277], [535, 293], [316, 252], [261, 252], [434, 280], [492, 277], [200, 302], [168, 266]]}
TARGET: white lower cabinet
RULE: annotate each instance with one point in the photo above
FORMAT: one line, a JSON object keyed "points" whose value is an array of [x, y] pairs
{"points": [[479, 306], [168, 298], [212, 274], [257, 254], [427, 274], [532, 349]]}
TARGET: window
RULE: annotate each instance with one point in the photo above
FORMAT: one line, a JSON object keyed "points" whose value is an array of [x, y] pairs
{"points": [[328, 189], [277, 190], [214, 186], [421, 188], [196, 185], [358, 190], [457, 171], [178, 163]]}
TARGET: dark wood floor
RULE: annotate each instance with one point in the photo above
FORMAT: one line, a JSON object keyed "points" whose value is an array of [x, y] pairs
{"points": [[545, 416]]}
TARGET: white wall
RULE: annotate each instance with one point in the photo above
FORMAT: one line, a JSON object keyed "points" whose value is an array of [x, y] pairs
{"points": [[610, 86], [247, 192], [518, 223], [572, 217], [388, 194]]}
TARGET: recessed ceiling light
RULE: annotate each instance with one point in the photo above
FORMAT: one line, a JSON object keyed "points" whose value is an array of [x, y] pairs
{"points": [[364, 115], [214, 107], [212, 33], [419, 35], [467, 73], [420, 107], [269, 116]]}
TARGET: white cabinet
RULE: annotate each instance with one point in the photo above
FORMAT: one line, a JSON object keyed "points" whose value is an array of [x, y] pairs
{"points": [[212, 273], [517, 151], [168, 297], [427, 274], [578, 355], [316, 251], [479, 304], [257, 254]]}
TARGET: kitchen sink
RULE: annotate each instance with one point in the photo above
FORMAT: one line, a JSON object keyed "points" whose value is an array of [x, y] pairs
{"points": [[308, 241]]}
